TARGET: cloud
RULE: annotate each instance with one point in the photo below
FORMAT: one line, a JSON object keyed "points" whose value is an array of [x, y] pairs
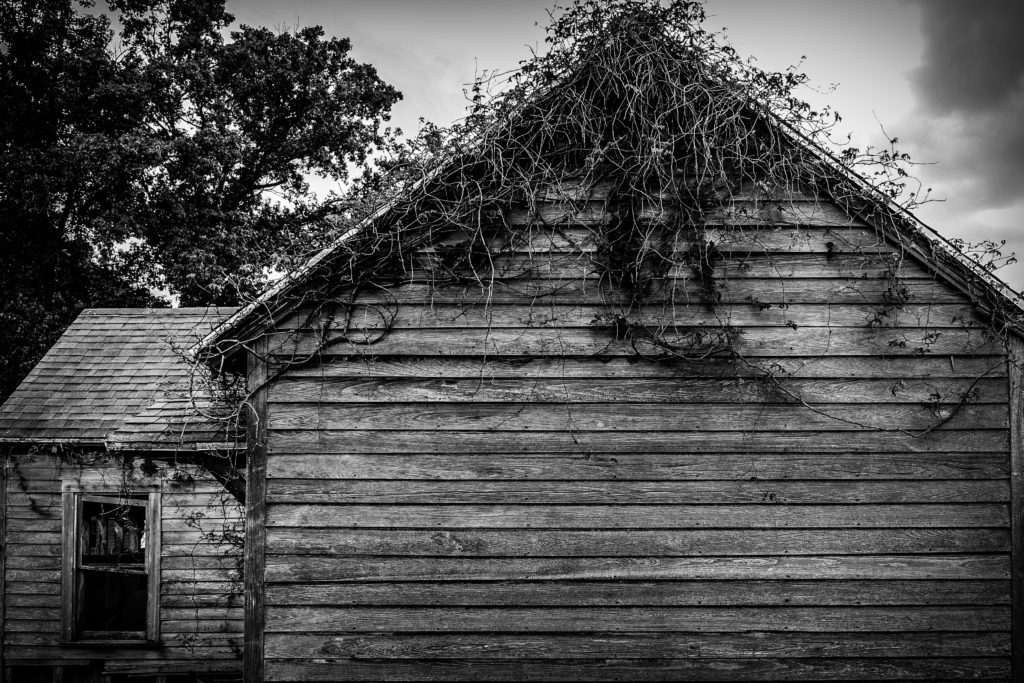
{"points": [[973, 57], [970, 87], [980, 154]]}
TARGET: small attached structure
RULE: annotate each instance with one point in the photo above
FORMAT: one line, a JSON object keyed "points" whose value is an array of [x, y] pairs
{"points": [[118, 556], [564, 412]]}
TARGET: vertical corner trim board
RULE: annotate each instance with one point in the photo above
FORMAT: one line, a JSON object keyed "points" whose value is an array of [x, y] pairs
{"points": [[1016, 386], [255, 512], [3, 559]]}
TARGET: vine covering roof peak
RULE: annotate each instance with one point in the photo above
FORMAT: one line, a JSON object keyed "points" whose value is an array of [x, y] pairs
{"points": [[640, 93]]}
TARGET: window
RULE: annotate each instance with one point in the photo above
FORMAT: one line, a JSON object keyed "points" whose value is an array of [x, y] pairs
{"points": [[111, 571]]}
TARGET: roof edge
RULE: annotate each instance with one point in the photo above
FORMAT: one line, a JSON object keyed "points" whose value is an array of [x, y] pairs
{"points": [[251, 316], [43, 441], [937, 251], [199, 447]]}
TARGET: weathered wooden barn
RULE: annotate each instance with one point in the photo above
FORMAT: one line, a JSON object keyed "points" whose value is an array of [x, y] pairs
{"points": [[528, 489], [636, 384], [608, 399], [119, 557]]}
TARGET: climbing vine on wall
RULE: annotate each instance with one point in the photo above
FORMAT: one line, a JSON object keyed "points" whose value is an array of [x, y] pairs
{"points": [[662, 163]]}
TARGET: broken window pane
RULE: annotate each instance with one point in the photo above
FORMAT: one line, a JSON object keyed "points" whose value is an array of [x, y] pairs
{"points": [[112, 579]]}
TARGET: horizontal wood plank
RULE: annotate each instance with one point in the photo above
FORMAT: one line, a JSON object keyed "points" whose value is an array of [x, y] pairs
{"points": [[185, 660], [675, 265], [526, 646], [583, 444], [42, 642], [643, 390], [759, 492], [734, 213], [186, 561], [635, 542], [761, 238], [597, 291], [483, 370], [24, 539], [638, 516], [936, 670], [500, 316], [729, 593], [697, 342], [283, 568], [326, 619], [620, 417], [494, 465]]}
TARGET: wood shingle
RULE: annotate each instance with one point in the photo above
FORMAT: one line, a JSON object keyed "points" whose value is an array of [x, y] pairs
{"points": [[109, 365]]}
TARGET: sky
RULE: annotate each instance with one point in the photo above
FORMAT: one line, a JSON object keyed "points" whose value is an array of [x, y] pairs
{"points": [[945, 77]]}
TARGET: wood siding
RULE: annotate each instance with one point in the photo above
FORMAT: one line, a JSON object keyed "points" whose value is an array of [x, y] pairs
{"points": [[501, 487], [200, 603]]}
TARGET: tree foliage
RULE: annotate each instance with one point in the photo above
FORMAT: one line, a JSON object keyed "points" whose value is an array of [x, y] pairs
{"points": [[172, 157]]}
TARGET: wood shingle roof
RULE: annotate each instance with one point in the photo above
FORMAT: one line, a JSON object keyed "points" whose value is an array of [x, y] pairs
{"points": [[108, 366]]}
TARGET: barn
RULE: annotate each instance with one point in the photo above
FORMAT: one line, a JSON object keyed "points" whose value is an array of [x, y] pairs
{"points": [[636, 383], [120, 560]]}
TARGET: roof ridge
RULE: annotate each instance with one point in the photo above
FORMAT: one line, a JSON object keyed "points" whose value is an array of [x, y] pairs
{"points": [[755, 112], [153, 310]]}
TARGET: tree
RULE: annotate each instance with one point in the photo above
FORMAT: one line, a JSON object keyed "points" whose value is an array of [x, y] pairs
{"points": [[171, 159]]}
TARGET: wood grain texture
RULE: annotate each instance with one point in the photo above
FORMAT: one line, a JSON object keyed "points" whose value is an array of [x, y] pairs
{"points": [[677, 266], [541, 466], [154, 565], [561, 368], [504, 315], [936, 669], [678, 593], [4, 550], [695, 343], [452, 516], [526, 417], [286, 569], [764, 239], [742, 292], [583, 619], [508, 485], [614, 444], [25, 649], [737, 212], [70, 555], [673, 390], [255, 512], [1015, 387], [634, 542], [757, 492], [34, 555], [598, 646]]}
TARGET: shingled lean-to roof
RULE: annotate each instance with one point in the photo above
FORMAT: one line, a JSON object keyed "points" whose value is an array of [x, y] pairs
{"points": [[116, 378]]}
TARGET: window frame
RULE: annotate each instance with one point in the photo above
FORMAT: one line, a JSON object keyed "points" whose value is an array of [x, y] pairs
{"points": [[72, 498]]}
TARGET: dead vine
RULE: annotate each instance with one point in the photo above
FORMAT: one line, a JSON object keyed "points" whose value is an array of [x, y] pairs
{"points": [[639, 153]]}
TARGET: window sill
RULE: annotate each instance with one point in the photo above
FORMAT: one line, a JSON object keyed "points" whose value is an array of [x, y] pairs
{"points": [[112, 643]]}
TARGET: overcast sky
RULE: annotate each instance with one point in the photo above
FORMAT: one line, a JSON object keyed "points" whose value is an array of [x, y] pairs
{"points": [[944, 76]]}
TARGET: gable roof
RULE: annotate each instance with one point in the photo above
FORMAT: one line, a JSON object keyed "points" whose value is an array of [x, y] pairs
{"points": [[851, 192], [109, 365], [640, 40], [266, 308]]}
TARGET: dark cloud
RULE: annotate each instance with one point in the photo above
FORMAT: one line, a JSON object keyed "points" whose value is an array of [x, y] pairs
{"points": [[970, 86], [978, 157], [973, 53]]}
